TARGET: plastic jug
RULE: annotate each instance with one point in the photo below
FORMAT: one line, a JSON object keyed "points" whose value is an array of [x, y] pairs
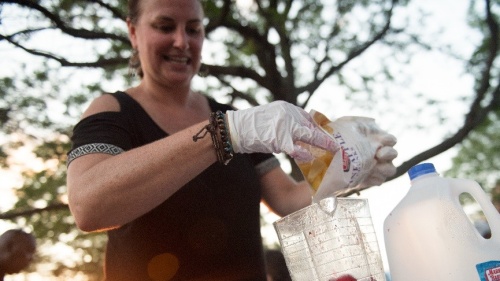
{"points": [[331, 240], [428, 236]]}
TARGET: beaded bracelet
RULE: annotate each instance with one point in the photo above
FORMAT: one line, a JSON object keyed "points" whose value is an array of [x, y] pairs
{"points": [[220, 137]]}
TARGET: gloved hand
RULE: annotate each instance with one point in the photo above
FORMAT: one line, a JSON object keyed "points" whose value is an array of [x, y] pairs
{"points": [[379, 145], [275, 128]]}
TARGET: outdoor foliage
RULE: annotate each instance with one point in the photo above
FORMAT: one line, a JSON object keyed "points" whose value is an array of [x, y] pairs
{"points": [[269, 50]]}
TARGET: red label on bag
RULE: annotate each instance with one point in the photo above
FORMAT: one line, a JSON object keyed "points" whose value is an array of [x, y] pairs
{"points": [[346, 161]]}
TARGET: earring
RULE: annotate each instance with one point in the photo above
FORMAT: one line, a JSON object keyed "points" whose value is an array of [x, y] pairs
{"points": [[134, 63], [203, 71]]}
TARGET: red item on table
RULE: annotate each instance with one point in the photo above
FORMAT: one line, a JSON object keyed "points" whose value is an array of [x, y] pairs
{"points": [[346, 278]]}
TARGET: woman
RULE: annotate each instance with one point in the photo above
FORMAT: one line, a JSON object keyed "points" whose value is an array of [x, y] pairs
{"points": [[144, 163]]}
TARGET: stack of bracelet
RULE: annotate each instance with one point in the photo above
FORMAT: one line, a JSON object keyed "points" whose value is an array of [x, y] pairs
{"points": [[220, 137]]}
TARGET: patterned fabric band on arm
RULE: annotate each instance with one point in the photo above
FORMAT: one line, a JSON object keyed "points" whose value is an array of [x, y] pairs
{"points": [[93, 148]]}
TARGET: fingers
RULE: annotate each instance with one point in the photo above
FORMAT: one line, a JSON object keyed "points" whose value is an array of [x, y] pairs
{"points": [[315, 136], [323, 140], [372, 180], [388, 139], [386, 153], [379, 174], [386, 169], [384, 139], [300, 154]]}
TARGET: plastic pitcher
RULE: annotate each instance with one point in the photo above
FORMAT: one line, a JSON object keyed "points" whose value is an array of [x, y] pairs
{"points": [[331, 239], [429, 237]]}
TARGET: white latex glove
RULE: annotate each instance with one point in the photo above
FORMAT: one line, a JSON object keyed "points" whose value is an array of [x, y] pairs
{"points": [[380, 144], [275, 128]]}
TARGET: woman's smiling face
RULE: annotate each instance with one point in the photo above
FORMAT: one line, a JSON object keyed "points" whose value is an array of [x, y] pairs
{"points": [[169, 36]]}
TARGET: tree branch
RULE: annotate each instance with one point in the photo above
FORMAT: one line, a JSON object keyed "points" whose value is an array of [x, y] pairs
{"points": [[239, 71], [26, 213], [477, 113], [213, 24], [59, 23], [114, 11], [238, 94], [265, 51], [102, 62], [316, 83]]}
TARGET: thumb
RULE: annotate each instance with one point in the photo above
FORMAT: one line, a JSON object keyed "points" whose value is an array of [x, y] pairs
{"points": [[315, 136]]}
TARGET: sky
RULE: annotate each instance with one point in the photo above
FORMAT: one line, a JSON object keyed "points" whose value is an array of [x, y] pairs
{"points": [[434, 74]]}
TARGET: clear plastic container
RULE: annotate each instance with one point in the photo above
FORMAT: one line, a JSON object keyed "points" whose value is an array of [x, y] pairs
{"points": [[331, 240], [429, 237]]}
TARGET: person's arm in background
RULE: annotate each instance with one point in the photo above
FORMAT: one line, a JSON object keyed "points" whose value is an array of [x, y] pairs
{"points": [[282, 194]]}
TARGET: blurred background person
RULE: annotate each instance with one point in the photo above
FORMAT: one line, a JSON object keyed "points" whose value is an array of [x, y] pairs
{"points": [[17, 249], [276, 266]]}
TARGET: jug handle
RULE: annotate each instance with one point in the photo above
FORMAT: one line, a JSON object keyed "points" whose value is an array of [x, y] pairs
{"points": [[474, 189]]}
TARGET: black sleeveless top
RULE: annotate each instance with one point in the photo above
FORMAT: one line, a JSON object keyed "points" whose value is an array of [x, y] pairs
{"points": [[208, 230]]}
